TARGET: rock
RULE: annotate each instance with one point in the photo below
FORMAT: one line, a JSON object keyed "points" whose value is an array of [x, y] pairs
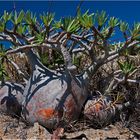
{"points": [[38, 132]]}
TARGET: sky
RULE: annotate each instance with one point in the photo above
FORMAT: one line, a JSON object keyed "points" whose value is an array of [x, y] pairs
{"points": [[128, 11]]}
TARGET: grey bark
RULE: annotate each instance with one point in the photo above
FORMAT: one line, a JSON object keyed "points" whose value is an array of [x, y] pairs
{"points": [[51, 98]]}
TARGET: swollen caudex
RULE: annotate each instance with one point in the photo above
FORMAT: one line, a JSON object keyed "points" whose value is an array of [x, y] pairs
{"points": [[100, 110]]}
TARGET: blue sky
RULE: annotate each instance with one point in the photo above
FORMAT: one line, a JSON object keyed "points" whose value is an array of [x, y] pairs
{"points": [[125, 10]]}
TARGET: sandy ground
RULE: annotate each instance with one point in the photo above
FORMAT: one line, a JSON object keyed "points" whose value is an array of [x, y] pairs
{"points": [[11, 128]]}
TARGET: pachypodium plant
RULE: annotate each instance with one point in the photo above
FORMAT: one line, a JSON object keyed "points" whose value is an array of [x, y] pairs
{"points": [[51, 97]]}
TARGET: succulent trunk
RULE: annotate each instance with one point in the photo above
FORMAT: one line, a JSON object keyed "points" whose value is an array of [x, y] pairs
{"points": [[51, 98]]}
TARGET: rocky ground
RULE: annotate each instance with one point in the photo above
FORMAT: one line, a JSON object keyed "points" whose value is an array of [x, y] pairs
{"points": [[11, 128]]}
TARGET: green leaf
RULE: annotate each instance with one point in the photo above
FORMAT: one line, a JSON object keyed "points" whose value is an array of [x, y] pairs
{"points": [[2, 26], [73, 26], [57, 24], [40, 38], [135, 32], [34, 18], [113, 22], [70, 25], [127, 67], [20, 17], [28, 17], [2, 51], [86, 20], [31, 18], [21, 29], [101, 18], [31, 25], [15, 18], [7, 16], [123, 26], [120, 65], [47, 18], [105, 31]]}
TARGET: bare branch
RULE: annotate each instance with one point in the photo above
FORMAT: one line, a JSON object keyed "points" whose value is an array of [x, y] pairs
{"points": [[117, 72], [54, 35], [76, 50], [15, 36], [97, 32], [21, 48], [109, 33], [112, 57], [67, 57], [30, 39], [127, 45], [109, 57], [60, 37], [88, 35], [106, 48], [133, 81], [111, 86], [81, 43], [127, 80], [28, 47], [114, 54], [4, 37], [87, 75], [134, 71], [84, 37]]}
